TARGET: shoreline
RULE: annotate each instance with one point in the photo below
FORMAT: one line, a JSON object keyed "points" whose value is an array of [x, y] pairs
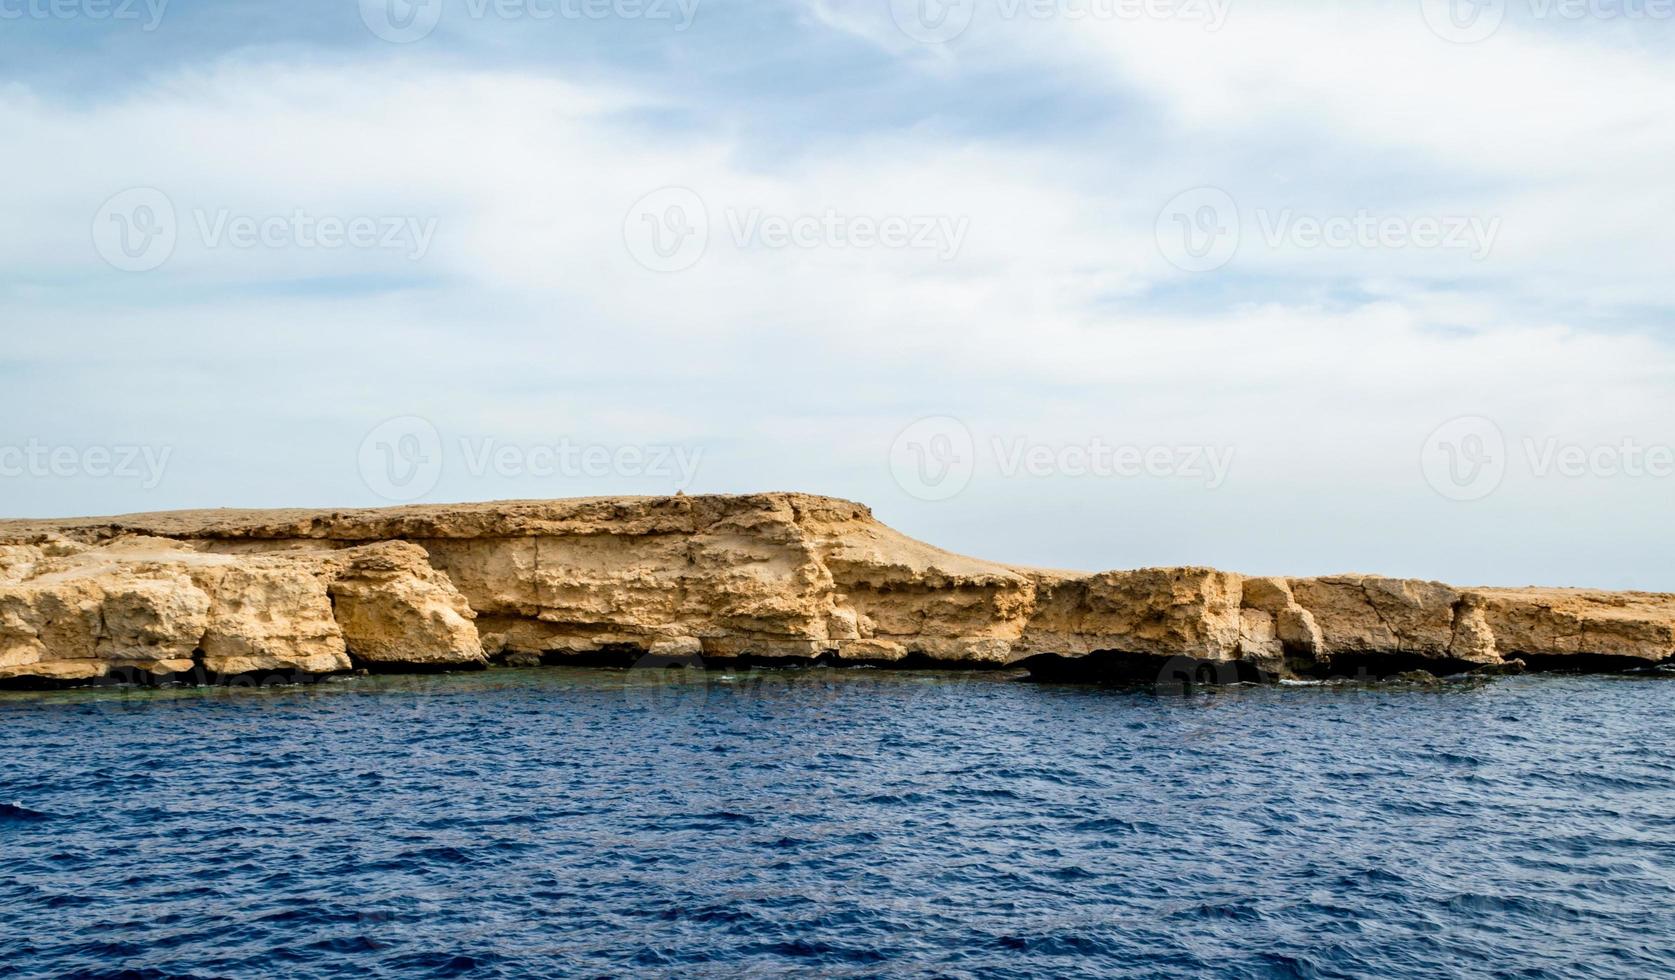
{"points": [[670, 682], [737, 582]]}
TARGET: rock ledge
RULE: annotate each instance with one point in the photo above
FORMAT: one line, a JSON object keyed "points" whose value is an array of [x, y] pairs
{"points": [[764, 578]]}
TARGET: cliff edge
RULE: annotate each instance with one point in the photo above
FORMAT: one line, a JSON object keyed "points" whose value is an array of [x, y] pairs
{"points": [[760, 578]]}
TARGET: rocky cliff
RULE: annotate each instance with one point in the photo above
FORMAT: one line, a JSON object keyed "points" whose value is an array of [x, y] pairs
{"points": [[763, 578]]}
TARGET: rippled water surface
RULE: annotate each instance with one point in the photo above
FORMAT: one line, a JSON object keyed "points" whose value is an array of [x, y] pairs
{"points": [[833, 823]]}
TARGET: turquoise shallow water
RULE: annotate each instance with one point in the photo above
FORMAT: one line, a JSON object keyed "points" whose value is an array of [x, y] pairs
{"points": [[839, 823]]}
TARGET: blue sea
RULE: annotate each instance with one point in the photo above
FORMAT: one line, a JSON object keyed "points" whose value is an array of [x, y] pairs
{"points": [[839, 823]]}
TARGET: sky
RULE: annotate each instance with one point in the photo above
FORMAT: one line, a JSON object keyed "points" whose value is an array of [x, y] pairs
{"points": [[1277, 287]]}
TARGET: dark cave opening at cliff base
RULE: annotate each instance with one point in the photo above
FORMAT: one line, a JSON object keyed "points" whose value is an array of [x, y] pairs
{"points": [[133, 677], [1374, 664], [360, 664], [631, 656], [1114, 668], [1382, 664], [617, 655], [1588, 663], [1123, 669]]}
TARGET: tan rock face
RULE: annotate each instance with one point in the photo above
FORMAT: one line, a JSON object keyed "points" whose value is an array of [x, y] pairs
{"points": [[51, 621], [1154, 611], [272, 615], [152, 619], [156, 606], [1549, 622], [768, 576], [1360, 614], [395, 610]]}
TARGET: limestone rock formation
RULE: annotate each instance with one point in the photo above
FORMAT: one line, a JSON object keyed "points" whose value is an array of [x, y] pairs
{"points": [[775, 578], [142, 605], [395, 610]]}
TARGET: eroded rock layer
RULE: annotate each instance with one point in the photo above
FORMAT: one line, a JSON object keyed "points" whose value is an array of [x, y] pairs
{"points": [[766, 577]]}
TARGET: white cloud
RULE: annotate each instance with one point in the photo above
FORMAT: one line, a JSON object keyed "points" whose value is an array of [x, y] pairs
{"points": [[1564, 138], [797, 366], [1557, 134]]}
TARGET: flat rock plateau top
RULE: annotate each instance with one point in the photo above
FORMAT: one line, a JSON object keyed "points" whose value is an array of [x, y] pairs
{"points": [[770, 578]]}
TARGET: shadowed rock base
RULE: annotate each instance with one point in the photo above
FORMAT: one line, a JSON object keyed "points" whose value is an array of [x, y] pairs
{"points": [[775, 579]]}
